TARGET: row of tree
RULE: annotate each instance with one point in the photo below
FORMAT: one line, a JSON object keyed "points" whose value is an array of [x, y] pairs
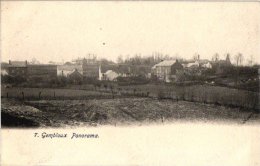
{"points": [[157, 57]]}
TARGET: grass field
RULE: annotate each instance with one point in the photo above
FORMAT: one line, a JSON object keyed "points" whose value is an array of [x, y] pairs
{"points": [[139, 104], [202, 94], [195, 93], [51, 93]]}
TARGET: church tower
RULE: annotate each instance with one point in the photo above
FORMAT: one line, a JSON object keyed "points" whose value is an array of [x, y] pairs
{"points": [[228, 59]]}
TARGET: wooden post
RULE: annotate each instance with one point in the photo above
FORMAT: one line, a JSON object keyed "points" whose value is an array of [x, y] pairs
{"points": [[162, 118], [205, 98], [54, 94], [40, 95], [7, 95], [23, 95]]}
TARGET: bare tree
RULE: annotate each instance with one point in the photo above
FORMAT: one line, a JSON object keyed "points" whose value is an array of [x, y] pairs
{"points": [[167, 57], [239, 59], [176, 56], [250, 60], [215, 57], [196, 56], [34, 61], [120, 59]]}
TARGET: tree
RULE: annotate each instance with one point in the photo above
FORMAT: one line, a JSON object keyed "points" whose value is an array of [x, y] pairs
{"points": [[176, 56], [34, 61], [104, 61], [52, 62], [239, 59], [167, 57], [250, 60], [68, 63], [120, 59], [215, 57], [105, 86], [196, 56]]}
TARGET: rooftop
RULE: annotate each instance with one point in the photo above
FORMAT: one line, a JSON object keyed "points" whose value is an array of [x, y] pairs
{"points": [[70, 67], [105, 68], [41, 65], [165, 63], [17, 63]]}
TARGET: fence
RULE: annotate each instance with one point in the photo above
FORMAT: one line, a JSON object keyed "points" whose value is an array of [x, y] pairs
{"points": [[214, 95], [197, 93]]}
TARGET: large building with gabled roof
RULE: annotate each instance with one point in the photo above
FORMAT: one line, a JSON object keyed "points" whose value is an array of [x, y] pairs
{"points": [[165, 69]]}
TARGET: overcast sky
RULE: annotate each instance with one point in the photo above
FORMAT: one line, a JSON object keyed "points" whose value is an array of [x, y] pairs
{"points": [[64, 30]]}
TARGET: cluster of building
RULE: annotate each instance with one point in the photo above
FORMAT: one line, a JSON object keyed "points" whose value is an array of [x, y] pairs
{"points": [[86, 68], [166, 70], [39, 72]]}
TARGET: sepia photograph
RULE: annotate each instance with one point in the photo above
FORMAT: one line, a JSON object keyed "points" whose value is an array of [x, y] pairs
{"points": [[131, 66]]}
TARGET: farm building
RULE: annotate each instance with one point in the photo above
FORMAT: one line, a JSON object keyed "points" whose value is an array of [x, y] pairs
{"points": [[204, 63], [127, 70], [90, 68], [75, 77], [109, 75], [192, 64], [4, 68], [65, 70], [222, 65], [32, 72], [108, 72], [17, 68], [41, 72], [124, 70], [166, 69]]}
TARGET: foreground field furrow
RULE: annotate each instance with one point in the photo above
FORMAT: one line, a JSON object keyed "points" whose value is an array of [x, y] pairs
{"points": [[58, 113]]}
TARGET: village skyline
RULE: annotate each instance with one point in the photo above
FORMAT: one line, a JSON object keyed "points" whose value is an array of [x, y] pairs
{"points": [[130, 82], [243, 60]]}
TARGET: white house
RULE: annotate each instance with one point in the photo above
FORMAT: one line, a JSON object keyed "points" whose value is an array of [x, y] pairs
{"points": [[4, 72], [66, 70], [109, 75], [207, 65], [192, 64]]}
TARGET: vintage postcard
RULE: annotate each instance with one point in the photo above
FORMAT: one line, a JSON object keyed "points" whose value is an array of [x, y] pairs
{"points": [[130, 83]]}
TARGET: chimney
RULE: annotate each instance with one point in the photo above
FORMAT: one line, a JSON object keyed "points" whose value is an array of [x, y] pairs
{"points": [[26, 62], [9, 62]]}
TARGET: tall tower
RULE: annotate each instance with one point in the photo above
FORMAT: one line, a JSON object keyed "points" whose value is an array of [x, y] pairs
{"points": [[99, 73], [228, 59]]}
